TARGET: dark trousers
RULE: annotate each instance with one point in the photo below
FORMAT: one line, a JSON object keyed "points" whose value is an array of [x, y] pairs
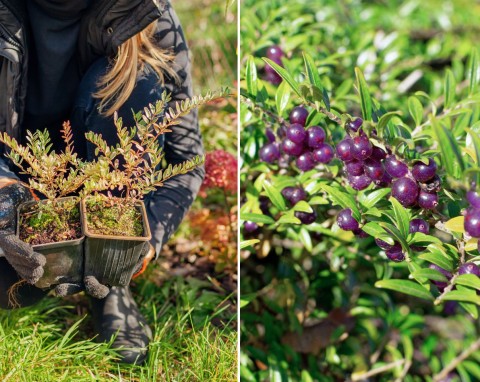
{"points": [[86, 117]]}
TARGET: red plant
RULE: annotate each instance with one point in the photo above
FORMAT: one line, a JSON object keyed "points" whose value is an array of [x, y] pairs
{"points": [[220, 171]]}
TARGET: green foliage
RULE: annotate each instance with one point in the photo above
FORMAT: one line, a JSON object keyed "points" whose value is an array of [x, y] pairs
{"points": [[414, 81]]}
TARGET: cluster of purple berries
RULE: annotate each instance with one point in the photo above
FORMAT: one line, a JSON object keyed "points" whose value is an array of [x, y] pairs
{"points": [[293, 195], [472, 215], [274, 53], [307, 146]]}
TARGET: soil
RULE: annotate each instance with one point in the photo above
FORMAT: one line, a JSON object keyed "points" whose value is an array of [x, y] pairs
{"points": [[113, 217], [46, 223]]}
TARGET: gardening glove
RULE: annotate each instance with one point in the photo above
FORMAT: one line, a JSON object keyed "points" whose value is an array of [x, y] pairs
{"points": [[96, 289], [27, 263]]}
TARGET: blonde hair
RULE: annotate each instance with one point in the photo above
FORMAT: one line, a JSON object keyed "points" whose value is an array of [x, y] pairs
{"points": [[117, 84]]}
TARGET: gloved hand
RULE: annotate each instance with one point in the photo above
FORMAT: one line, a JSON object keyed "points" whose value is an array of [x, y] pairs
{"points": [[27, 263], [98, 290]]}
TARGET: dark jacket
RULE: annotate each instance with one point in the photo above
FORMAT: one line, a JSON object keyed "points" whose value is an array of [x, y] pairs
{"points": [[107, 24]]}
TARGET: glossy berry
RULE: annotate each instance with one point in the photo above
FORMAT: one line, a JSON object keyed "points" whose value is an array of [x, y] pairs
{"points": [[361, 234], [473, 198], [346, 221], [282, 132], [354, 168], [419, 225], [360, 182], [291, 148], [441, 284], [305, 162], [373, 169], [395, 167], [306, 217], [383, 244], [469, 268], [323, 154], [270, 135], [395, 253], [298, 115], [269, 153], [361, 147], [250, 227], [428, 200], [378, 153], [274, 53], [472, 222], [385, 181], [344, 150], [296, 133], [272, 76], [424, 172], [297, 194], [287, 193], [354, 124], [405, 190], [316, 137]]}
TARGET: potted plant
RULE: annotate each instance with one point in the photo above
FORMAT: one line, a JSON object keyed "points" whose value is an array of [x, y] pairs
{"points": [[116, 228], [52, 226]]}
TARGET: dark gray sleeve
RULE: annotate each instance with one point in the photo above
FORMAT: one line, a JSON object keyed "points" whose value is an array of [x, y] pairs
{"points": [[167, 206], [5, 171]]}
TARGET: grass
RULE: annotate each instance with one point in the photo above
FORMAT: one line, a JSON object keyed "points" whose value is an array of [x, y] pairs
{"points": [[194, 337]]}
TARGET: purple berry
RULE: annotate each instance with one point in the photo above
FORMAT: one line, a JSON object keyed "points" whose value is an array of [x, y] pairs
{"points": [[287, 193], [323, 154], [378, 153], [305, 162], [427, 200], [274, 52], [272, 76], [298, 115], [270, 135], [472, 222], [296, 133], [441, 284], [282, 132], [354, 124], [385, 181], [360, 182], [354, 168], [346, 221], [469, 268], [449, 309], [361, 147], [316, 136], [373, 169], [473, 198], [395, 167], [297, 194], [306, 217], [250, 227], [291, 148], [269, 153], [424, 172], [395, 253], [361, 234], [419, 225], [383, 244], [344, 150], [405, 190]]}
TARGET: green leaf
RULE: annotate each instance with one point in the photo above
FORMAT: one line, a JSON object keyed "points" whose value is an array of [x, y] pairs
{"points": [[422, 239], [476, 144], [451, 154], [462, 295], [431, 274], [282, 96], [247, 243], [450, 85], [455, 224], [314, 78], [251, 76], [288, 219], [470, 308], [405, 286], [275, 196], [306, 239], [402, 217], [257, 218], [370, 200], [285, 75], [365, 98], [437, 259], [468, 280], [385, 118], [302, 206], [343, 200], [374, 229], [472, 71], [416, 109]]}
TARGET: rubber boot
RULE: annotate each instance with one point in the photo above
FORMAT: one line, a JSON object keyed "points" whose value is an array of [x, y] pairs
{"points": [[118, 316]]}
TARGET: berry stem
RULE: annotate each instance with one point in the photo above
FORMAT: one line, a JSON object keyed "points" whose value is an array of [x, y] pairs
{"points": [[447, 289]]}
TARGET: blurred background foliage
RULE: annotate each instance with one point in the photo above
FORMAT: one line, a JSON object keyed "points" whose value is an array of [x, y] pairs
{"points": [[309, 308]]}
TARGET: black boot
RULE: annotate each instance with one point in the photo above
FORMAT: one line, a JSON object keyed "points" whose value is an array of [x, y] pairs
{"points": [[118, 316]]}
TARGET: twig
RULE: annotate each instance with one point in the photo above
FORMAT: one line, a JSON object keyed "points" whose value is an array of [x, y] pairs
{"points": [[378, 370], [457, 360], [251, 105], [447, 289]]}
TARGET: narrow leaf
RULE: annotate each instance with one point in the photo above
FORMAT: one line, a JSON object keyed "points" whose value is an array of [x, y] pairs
{"points": [[451, 154], [251, 76], [416, 109], [257, 218], [285, 75], [405, 286], [463, 295], [450, 84], [472, 71], [455, 224], [247, 243], [402, 217], [306, 239], [374, 197], [365, 98], [468, 280], [274, 195], [431, 274], [282, 96], [437, 259], [343, 200]]}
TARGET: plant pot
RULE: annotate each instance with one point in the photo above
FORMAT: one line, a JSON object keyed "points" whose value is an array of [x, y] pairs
{"points": [[112, 259], [64, 258]]}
